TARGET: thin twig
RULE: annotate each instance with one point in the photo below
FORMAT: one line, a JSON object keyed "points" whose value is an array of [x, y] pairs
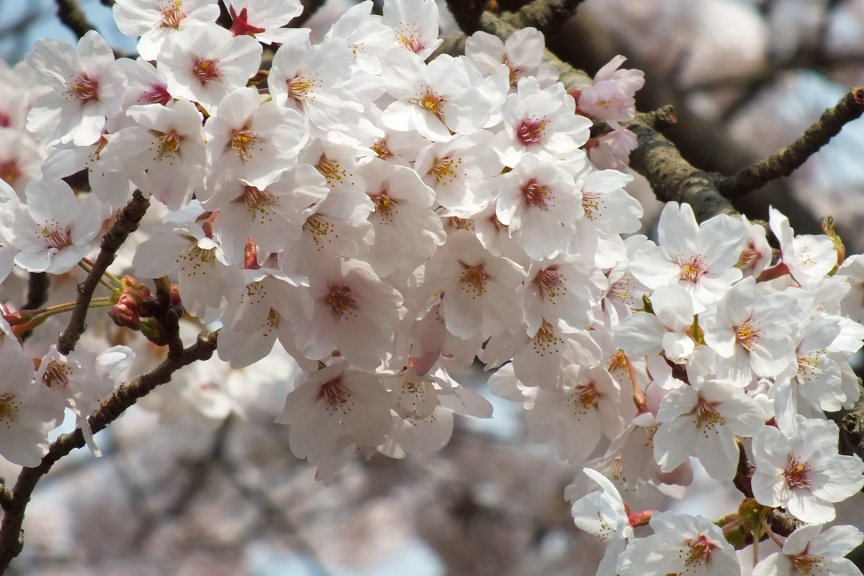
{"points": [[127, 222], [71, 15], [789, 159], [11, 536]]}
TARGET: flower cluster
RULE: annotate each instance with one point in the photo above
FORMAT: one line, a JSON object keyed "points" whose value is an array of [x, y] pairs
{"points": [[388, 217]]}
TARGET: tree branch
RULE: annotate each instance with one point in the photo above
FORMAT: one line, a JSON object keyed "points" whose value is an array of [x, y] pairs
{"points": [[546, 15], [789, 159], [11, 536], [71, 15], [127, 222]]}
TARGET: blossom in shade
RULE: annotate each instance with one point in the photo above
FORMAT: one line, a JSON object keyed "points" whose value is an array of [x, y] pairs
{"points": [[681, 544], [704, 420], [333, 408]]}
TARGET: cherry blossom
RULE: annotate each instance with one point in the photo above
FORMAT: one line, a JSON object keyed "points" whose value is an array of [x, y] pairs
{"points": [[85, 87], [155, 21]]}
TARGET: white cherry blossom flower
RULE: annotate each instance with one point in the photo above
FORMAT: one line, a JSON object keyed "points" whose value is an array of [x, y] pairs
{"points": [[585, 406], [540, 204], [314, 80], [541, 121], [333, 408], [804, 473], [479, 290], [163, 152], [434, 99], [415, 23], [522, 53], [86, 87], [407, 232], [184, 248], [28, 411], [423, 415], [272, 216], [270, 306], [701, 258], [354, 311], [53, 231], [752, 332], [681, 544], [82, 379], [250, 138], [603, 514], [155, 21], [666, 330], [703, 420], [808, 257], [459, 171], [205, 63], [809, 550]]}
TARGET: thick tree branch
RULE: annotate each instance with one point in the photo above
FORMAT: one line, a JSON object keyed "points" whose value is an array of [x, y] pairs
{"points": [[5, 497], [789, 159], [546, 15], [127, 222], [11, 536], [71, 15]]}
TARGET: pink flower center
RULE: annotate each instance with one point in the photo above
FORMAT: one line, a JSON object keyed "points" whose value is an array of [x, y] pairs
{"points": [[747, 335], [584, 397], [157, 94], [8, 408], [299, 88], [331, 170], [410, 39], [10, 171], [536, 195], [700, 550], [707, 416], [5, 120], [797, 474], [84, 88], [549, 282], [458, 223], [240, 25], [546, 342], [57, 373], [473, 278], [692, 269], [206, 70], [57, 238], [809, 565], [385, 206], [380, 148], [442, 169], [317, 229], [531, 131], [431, 103], [334, 393], [169, 142], [341, 302], [172, 15], [256, 200], [244, 142], [499, 226]]}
